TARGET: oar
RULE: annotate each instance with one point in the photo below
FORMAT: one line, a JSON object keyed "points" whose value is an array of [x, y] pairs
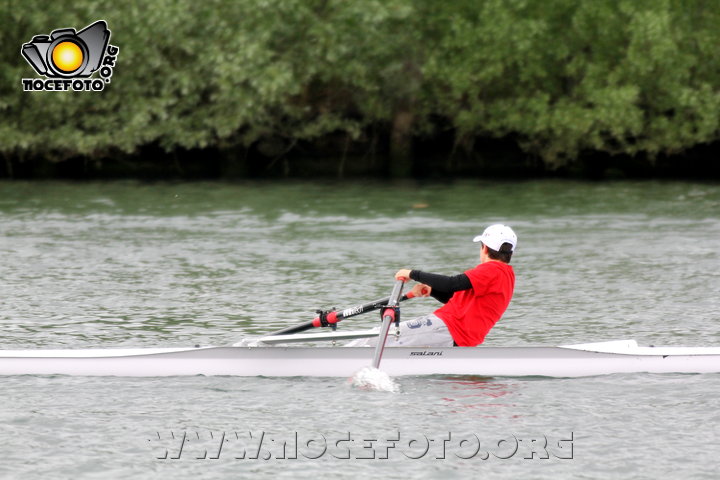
{"points": [[390, 314], [329, 318]]}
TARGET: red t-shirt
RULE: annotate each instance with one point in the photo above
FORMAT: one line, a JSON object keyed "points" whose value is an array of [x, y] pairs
{"points": [[470, 314]]}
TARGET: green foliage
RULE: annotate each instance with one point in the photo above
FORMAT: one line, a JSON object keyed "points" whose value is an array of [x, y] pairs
{"points": [[560, 76]]}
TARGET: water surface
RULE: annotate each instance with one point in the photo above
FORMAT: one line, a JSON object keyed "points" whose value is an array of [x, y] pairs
{"points": [[172, 264]]}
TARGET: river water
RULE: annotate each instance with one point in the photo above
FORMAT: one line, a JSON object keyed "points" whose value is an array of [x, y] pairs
{"points": [[174, 264]]}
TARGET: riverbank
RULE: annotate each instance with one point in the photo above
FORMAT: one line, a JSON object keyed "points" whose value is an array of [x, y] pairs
{"points": [[435, 159]]}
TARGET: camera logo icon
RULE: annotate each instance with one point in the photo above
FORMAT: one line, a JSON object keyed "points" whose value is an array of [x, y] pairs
{"points": [[67, 59], [66, 53]]}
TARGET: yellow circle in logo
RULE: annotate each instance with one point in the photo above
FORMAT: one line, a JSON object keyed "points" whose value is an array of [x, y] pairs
{"points": [[67, 56]]}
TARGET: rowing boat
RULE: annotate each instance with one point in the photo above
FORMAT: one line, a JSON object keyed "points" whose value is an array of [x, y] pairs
{"points": [[272, 357]]}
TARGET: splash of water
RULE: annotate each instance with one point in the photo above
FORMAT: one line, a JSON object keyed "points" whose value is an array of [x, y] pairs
{"points": [[369, 378]]}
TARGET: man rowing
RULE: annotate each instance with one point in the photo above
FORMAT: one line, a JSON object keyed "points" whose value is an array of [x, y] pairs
{"points": [[473, 301]]}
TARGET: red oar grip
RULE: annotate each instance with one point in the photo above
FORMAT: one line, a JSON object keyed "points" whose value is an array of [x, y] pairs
{"points": [[331, 317], [389, 312], [410, 295]]}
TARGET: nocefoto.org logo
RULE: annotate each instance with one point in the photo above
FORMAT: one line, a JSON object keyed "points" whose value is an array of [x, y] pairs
{"points": [[67, 59]]}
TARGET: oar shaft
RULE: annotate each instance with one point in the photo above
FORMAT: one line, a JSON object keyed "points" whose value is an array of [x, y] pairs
{"points": [[294, 328], [334, 317], [388, 319]]}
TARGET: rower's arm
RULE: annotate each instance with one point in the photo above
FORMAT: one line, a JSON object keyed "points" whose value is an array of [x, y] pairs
{"points": [[443, 286], [442, 297]]}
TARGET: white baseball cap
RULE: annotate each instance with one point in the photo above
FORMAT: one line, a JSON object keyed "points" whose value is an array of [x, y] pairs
{"points": [[495, 235]]}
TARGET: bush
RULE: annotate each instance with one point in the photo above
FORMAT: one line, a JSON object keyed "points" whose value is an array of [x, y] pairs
{"points": [[560, 76]]}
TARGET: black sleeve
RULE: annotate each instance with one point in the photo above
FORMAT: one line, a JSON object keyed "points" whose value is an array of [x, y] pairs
{"points": [[443, 287], [442, 297]]}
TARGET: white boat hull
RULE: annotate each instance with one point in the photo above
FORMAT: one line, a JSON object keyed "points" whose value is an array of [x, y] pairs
{"points": [[565, 361]]}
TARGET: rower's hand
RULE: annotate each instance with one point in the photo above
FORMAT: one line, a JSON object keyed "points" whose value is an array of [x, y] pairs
{"points": [[403, 274], [421, 290]]}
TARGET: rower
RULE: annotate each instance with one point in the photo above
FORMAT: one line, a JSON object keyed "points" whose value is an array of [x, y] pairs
{"points": [[473, 301]]}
